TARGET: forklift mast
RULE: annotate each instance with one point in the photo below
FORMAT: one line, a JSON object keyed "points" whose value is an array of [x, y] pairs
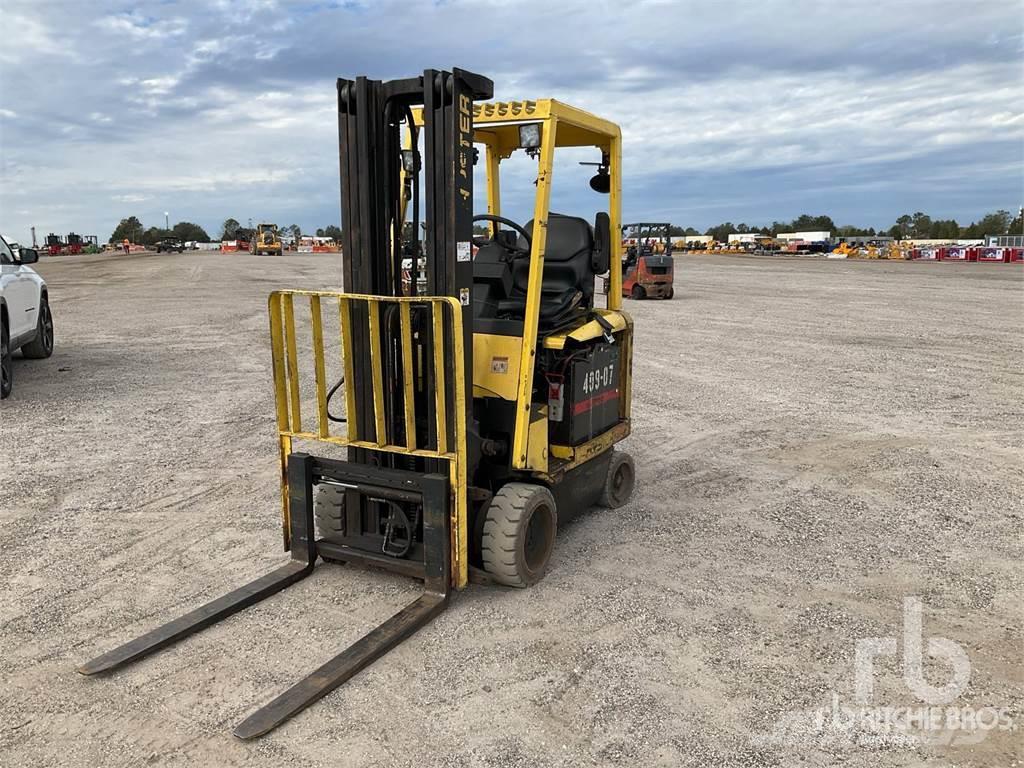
{"points": [[374, 171]]}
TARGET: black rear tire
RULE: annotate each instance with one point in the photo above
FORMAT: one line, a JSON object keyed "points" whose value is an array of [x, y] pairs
{"points": [[519, 534], [41, 346], [619, 482], [637, 293], [6, 369], [671, 292]]}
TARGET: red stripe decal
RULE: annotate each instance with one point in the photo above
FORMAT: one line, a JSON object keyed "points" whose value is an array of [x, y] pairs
{"points": [[596, 400]]}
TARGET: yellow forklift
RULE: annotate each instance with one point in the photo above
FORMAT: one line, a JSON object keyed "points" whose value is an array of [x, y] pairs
{"points": [[478, 417]]}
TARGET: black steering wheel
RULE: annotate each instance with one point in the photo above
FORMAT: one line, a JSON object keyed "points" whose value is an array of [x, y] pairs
{"points": [[480, 241]]}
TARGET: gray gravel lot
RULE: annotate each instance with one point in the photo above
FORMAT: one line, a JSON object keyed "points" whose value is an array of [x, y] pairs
{"points": [[815, 442]]}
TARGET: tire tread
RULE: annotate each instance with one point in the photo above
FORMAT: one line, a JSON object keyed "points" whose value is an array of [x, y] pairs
{"points": [[501, 530]]}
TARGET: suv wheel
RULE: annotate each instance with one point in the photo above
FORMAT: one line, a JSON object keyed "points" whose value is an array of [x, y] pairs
{"points": [[6, 372], [42, 345]]}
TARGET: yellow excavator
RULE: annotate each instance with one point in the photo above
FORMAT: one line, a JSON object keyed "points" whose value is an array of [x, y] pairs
{"points": [[479, 417]]}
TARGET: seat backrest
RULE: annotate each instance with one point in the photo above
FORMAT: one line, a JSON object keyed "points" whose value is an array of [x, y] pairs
{"points": [[567, 257]]}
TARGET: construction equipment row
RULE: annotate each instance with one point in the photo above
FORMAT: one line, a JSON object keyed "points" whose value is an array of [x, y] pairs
{"points": [[71, 244]]}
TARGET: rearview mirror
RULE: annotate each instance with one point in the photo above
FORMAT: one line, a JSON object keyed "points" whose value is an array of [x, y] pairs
{"points": [[28, 256], [601, 181]]}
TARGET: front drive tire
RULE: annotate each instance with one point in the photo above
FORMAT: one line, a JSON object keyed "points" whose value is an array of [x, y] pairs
{"points": [[42, 345], [6, 369], [519, 534], [637, 293]]}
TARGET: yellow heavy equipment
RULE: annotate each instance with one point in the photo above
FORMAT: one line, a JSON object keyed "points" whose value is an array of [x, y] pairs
{"points": [[266, 241]]}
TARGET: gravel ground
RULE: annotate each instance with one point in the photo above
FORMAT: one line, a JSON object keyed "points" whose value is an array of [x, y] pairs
{"points": [[815, 441]]}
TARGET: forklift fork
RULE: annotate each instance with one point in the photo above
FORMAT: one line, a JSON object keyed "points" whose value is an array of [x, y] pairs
{"points": [[303, 472]]}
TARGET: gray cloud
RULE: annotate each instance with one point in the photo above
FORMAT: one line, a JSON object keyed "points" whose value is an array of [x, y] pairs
{"points": [[732, 110]]}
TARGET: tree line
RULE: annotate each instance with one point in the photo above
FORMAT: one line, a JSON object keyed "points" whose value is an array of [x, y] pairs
{"points": [[908, 226], [133, 230], [232, 230]]}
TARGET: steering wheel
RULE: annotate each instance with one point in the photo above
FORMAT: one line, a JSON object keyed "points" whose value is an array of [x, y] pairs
{"points": [[479, 241]]}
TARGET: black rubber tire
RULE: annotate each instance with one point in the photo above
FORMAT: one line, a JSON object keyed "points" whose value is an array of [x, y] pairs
{"points": [[41, 347], [6, 368], [637, 293], [619, 482], [329, 511], [671, 293], [519, 534], [329, 514]]}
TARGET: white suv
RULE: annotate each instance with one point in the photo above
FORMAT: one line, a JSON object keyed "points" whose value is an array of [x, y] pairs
{"points": [[25, 319]]}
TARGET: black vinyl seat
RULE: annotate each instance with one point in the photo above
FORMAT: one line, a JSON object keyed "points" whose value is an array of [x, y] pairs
{"points": [[568, 282]]}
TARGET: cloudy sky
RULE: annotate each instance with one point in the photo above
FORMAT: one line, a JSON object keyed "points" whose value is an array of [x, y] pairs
{"points": [[753, 111]]}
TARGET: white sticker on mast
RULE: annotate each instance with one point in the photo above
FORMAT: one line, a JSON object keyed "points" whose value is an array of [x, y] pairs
{"points": [[463, 251]]}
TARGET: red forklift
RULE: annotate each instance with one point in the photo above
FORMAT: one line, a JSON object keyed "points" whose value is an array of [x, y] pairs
{"points": [[74, 244], [647, 267], [55, 244]]}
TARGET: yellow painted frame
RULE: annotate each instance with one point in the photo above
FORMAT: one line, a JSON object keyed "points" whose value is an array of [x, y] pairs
{"points": [[496, 126]]}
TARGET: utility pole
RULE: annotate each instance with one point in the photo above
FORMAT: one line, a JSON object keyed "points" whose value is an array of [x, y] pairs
{"points": [[167, 221], [33, 237]]}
